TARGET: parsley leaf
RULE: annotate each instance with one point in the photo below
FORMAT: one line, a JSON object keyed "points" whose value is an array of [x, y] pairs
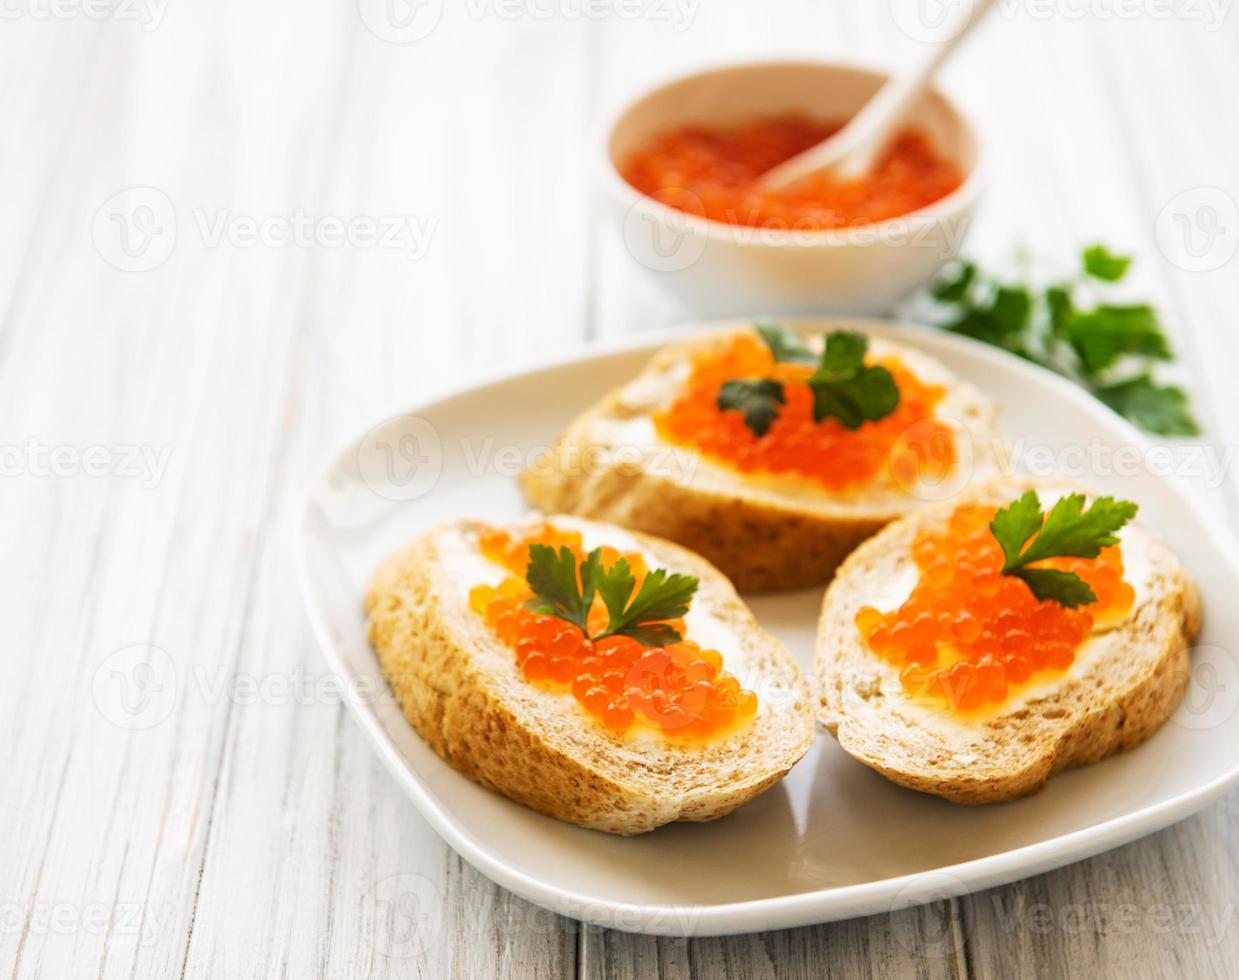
{"points": [[663, 595], [558, 591], [844, 388], [1065, 588], [1101, 263], [1000, 321], [843, 354], [1014, 525], [1058, 302], [954, 287], [785, 345], [1073, 329], [1100, 336], [1068, 531], [1161, 409], [1012, 306], [759, 400]]}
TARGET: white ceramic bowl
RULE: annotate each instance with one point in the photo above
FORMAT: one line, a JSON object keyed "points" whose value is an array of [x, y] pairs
{"points": [[732, 270]]}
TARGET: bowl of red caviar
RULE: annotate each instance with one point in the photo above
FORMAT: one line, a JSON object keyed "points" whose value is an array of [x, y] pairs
{"points": [[681, 168]]}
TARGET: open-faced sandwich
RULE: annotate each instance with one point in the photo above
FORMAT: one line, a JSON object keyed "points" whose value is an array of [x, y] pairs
{"points": [[770, 453], [610, 679], [976, 647]]}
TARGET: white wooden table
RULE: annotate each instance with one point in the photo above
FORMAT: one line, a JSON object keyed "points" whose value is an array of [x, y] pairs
{"points": [[157, 425]]}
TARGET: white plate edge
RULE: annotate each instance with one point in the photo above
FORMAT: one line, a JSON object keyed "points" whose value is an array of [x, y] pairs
{"points": [[823, 905]]}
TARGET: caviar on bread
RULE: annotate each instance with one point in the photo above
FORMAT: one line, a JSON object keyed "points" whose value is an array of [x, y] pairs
{"points": [[610, 679], [978, 646], [771, 453]]}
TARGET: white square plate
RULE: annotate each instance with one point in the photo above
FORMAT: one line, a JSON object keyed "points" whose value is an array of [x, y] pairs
{"points": [[833, 839]]}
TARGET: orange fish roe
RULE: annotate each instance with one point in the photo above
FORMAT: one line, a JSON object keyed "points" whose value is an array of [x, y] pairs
{"points": [[908, 444], [713, 172], [680, 690], [968, 635]]}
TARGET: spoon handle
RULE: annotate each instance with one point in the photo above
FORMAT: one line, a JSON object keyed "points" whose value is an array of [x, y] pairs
{"points": [[851, 151]]}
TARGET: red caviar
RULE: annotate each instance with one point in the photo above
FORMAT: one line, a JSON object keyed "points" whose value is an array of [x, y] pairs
{"points": [[968, 635], [712, 172], [680, 690], [908, 444]]}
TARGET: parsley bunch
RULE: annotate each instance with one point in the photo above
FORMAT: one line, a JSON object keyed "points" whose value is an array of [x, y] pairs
{"points": [[562, 589], [1108, 348], [1069, 531], [843, 386]]}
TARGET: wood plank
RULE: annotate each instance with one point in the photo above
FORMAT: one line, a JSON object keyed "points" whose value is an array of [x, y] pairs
{"points": [[244, 836], [1161, 907], [256, 836], [922, 942]]}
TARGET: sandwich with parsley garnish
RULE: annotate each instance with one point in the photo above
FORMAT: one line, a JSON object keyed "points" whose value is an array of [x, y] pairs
{"points": [[602, 677], [977, 647], [770, 452]]}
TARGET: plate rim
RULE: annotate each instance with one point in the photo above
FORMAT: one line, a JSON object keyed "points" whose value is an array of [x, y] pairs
{"points": [[821, 905]]}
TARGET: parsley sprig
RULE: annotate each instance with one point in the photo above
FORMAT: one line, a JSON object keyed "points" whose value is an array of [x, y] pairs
{"points": [[562, 589], [843, 386], [1073, 328], [1068, 531], [760, 400]]}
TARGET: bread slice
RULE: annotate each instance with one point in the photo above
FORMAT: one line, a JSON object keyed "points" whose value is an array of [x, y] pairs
{"points": [[763, 533], [1124, 684], [462, 690]]}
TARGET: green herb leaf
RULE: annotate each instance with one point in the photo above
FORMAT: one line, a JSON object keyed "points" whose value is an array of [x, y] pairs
{"points": [[1073, 532], [843, 355], [1065, 588], [869, 396], [1064, 327], [1068, 531], [616, 586], [1161, 409], [1014, 525], [785, 345], [1101, 335], [844, 388], [1058, 302], [953, 287], [1101, 263], [663, 595], [652, 634], [759, 400], [1010, 310], [558, 591], [983, 324]]}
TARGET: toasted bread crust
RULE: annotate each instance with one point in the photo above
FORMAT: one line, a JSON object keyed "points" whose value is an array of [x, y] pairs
{"points": [[477, 723], [761, 547], [761, 539], [1110, 708]]}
